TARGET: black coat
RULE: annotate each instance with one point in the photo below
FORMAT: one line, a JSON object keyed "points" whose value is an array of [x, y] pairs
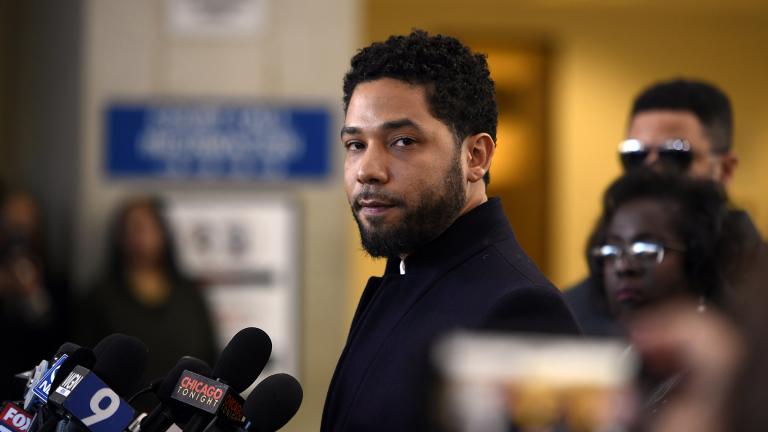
{"points": [[475, 275]]}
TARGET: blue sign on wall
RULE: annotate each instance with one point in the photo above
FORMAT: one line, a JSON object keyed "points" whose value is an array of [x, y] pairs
{"points": [[212, 141]]}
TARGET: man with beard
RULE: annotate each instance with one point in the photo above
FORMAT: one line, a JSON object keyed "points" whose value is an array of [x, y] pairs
{"points": [[419, 135]]}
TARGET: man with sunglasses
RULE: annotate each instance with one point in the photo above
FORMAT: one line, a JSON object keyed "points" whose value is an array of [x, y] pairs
{"points": [[683, 126]]}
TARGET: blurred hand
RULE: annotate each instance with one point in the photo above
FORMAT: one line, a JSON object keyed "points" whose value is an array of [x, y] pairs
{"points": [[23, 292], [20, 277], [705, 347]]}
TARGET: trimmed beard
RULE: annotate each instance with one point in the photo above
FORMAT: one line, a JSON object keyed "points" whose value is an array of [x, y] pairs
{"points": [[425, 221]]}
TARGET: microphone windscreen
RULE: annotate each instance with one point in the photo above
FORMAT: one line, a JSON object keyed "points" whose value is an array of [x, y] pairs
{"points": [[168, 384], [272, 403], [80, 357], [120, 362], [66, 348], [243, 359]]}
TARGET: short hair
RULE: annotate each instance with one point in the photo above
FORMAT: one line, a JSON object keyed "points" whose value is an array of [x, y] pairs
{"points": [[459, 88], [700, 212], [704, 100]]}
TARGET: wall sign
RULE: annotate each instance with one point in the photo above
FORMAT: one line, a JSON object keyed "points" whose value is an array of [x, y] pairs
{"points": [[247, 252], [211, 141]]}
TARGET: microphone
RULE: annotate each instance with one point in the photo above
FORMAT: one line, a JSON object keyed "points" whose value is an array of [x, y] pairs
{"points": [[120, 361], [243, 359], [272, 403], [86, 398], [94, 397], [170, 410], [238, 366], [39, 388], [33, 377], [81, 357], [14, 418], [47, 412], [65, 348]]}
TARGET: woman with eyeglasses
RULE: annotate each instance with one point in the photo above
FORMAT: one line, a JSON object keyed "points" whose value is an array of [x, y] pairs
{"points": [[663, 236]]}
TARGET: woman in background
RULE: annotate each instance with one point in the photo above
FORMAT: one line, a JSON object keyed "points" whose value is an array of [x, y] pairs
{"points": [[660, 237], [666, 239], [145, 295]]}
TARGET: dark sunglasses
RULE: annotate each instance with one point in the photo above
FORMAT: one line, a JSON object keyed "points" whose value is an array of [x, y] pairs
{"points": [[674, 154]]}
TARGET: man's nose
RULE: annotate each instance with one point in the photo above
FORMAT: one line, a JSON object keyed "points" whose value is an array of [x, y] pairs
{"points": [[652, 157], [373, 166]]}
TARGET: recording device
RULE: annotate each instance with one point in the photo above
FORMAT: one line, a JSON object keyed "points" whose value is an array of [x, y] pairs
{"points": [[92, 399], [221, 401], [65, 348], [239, 364], [47, 412], [120, 362], [272, 403], [13, 418], [170, 410], [33, 378], [243, 359], [92, 402], [39, 379], [38, 390]]}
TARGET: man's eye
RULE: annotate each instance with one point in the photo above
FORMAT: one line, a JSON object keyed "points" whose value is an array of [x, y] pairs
{"points": [[354, 145], [403, 142]]}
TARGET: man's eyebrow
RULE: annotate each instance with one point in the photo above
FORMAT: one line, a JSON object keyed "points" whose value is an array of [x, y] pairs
{"points": [[350, 130], [401, 123], [387, 126]]}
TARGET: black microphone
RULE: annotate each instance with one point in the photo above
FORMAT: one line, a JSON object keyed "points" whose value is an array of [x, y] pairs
{"points": [[243, 359], [66, 348], [238, 366], [272, 403], [39, 379], [81, 357], [47, 413], [94, 398], [171, 411], [120, 362]]}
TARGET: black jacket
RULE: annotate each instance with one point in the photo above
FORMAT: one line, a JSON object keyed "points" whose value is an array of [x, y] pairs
{"points": [[473, 275]]}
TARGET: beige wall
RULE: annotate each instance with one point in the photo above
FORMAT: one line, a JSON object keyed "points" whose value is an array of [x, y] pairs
{"points": [[602, 69], [129, 54], [602, 54]]}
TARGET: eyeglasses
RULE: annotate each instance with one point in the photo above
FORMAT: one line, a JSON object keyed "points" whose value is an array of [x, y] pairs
{"points": [[674, 154], [640, 251]]}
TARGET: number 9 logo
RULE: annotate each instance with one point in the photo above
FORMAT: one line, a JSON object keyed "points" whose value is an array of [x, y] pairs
{"points": [[100, 414]]}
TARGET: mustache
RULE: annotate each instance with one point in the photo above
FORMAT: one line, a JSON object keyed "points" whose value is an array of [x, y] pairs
{"points": [[376, 195]]}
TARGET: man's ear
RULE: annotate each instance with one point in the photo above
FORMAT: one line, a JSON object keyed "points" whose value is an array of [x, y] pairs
{"points": [[728, 163], [479, 152]]}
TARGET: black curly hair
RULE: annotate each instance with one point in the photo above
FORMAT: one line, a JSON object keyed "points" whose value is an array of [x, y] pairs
{"points": [[460, 91], [700, 212], [704, 100]]}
